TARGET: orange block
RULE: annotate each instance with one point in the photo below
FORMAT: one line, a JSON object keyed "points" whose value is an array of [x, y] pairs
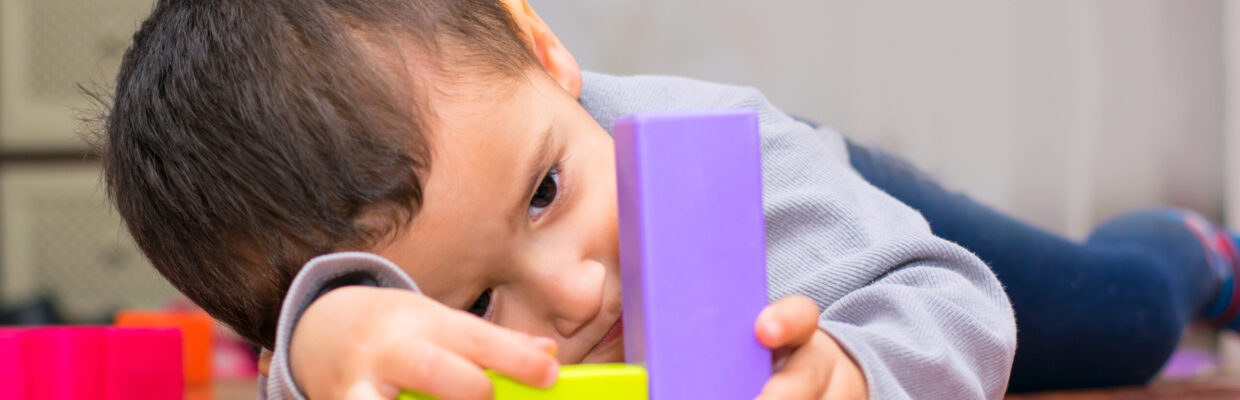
{"points": [[197, 334]]}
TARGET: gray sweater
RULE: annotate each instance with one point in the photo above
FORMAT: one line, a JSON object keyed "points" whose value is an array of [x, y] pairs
{"points": [[923, 317]]}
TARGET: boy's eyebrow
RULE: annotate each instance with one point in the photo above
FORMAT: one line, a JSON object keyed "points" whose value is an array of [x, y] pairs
{"points": [[537, 167]]}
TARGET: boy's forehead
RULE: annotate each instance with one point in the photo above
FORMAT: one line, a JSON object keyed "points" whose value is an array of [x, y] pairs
{"points": [[468, 88], [478, 123]]}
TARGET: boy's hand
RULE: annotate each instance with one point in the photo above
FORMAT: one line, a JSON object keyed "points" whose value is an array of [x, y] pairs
{"points": [[367, 343], [808, 362]]}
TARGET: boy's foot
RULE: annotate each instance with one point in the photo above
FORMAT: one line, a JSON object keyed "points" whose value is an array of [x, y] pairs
{"points": [[1223, 254]]}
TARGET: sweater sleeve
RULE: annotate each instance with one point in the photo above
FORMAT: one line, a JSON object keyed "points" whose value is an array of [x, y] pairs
{"points": [[306, 287], [923, 317]]}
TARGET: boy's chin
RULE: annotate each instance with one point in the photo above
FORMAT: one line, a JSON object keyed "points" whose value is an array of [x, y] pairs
{"points": [[607, 355]]}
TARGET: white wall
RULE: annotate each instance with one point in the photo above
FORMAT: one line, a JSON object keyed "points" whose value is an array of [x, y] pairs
{"points": [[1231, 140], [1060, 111]]}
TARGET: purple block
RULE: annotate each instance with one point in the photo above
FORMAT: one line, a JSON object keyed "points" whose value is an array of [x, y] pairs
{"points": [[12, 378], [692, 251]]}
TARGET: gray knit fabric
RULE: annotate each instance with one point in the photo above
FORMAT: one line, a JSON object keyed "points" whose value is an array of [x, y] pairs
{"points": [[923, 317], [309, 281]]}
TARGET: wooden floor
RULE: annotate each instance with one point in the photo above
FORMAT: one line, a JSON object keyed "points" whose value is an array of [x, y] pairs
{"points": [[232, 390], [1174, 391], [247, 390]]}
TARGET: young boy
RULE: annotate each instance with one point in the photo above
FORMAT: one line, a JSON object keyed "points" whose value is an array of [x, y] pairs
{"points": [[447, 136], [459, 140]]}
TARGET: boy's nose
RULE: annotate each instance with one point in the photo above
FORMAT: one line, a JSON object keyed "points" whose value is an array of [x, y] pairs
{"points": [[573, 293]]}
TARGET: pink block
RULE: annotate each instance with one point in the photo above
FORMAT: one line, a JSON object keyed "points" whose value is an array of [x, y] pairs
{"points": [[12, 378], [143, 364], [64, 363]]}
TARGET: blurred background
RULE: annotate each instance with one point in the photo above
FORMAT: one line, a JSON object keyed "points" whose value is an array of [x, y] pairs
{"points": [[1062, 112], [64, 255]]}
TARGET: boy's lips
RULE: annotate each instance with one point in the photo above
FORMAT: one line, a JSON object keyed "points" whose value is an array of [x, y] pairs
{"points": [[611, 335]]}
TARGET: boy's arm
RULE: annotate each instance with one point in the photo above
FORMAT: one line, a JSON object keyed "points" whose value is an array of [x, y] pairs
{"points": [[316, 278], [923, 317]]}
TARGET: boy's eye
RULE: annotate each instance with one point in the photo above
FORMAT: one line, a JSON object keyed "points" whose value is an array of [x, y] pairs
{"points": [[545, 194], [482, 305]]}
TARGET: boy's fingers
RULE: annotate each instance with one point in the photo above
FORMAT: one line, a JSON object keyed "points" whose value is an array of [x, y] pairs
{"points": [[426, 368], [513, 354], [791, 321], [804, 375]]}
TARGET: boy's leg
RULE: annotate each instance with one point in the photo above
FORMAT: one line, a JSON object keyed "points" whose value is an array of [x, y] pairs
{"points": [[1105, 312]]}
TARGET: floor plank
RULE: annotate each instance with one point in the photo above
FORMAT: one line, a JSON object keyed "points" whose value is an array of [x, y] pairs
{"points": [[1170, 390]]}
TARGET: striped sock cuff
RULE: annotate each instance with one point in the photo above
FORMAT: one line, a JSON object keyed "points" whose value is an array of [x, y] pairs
{"points": [[1224, 259]]}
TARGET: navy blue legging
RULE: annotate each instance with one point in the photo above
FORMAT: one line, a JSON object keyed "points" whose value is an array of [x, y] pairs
{"points": [[1104, 312]]}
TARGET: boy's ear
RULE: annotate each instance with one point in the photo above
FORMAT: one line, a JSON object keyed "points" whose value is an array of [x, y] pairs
{"points": [[552, 54]]}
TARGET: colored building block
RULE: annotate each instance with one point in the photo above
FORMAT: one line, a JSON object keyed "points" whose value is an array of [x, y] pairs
{"points": [[77, 362], [585, 381], [142, 364], [63, 363], [693, 264], [692, 251], [197, 336], [12, 376]]}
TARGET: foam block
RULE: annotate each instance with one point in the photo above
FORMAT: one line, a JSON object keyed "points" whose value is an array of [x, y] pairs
{"points": [[692, 251], [197, 336], [12, 376], [63, 363], [585, 381], [142, 364]]}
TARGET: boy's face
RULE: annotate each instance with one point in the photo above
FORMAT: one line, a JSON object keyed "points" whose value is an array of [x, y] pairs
{"points": [[518, 222]]}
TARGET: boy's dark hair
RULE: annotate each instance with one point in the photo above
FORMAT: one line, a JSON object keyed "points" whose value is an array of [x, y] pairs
{"points": [[247, 136]]}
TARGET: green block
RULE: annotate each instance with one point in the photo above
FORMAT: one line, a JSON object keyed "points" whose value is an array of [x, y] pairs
{"points": [[584, 381]]}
